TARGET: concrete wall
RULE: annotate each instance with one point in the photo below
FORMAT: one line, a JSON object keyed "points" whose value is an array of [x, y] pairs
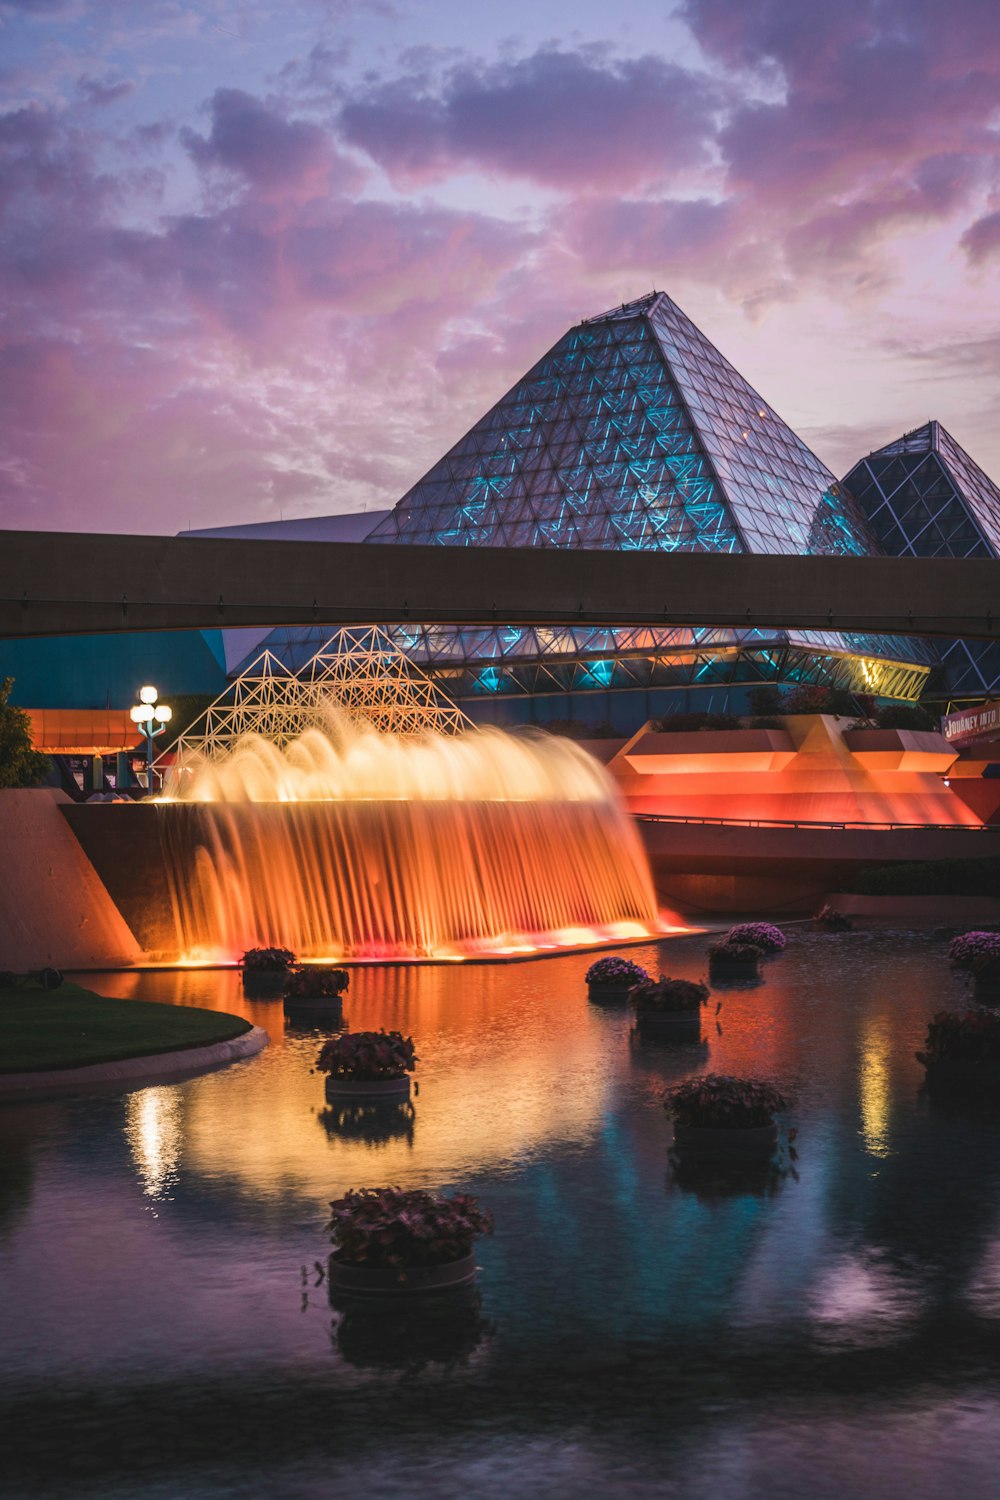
{"points": [[53, 907]]}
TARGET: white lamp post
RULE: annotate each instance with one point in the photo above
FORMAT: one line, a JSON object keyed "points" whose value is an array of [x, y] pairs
{"points": [[146, 713]]}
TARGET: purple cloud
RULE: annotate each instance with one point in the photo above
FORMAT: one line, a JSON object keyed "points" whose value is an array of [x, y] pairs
{"points": [[269, 152], [981, 241], [563, 119], [101, 91]]}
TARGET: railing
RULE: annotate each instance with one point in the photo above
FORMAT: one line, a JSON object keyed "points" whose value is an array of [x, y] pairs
{"points": [[805, 823]]}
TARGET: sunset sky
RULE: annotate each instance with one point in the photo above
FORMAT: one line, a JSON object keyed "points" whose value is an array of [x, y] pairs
{"points": [[262, 259]]}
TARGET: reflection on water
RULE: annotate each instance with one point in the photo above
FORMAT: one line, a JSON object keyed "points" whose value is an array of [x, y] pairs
{"points": [[153, 1132], [876, 1044], [810, 1297]]}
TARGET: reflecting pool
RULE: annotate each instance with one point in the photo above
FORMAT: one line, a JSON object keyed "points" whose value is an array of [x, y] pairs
{"points": [[829, 1328]]}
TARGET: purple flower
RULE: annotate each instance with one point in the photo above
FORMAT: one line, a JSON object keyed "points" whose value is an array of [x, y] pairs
{"points": [[970, 948], [383, 1227], [761, 934], [616, 971]]}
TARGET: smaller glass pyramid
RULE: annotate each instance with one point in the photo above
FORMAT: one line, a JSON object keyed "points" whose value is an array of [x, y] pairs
{"points": [[925, 497]]}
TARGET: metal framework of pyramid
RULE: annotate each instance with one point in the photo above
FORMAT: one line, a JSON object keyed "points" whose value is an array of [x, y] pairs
{"points": [[925, 497], [523, 661], [359, 670]]}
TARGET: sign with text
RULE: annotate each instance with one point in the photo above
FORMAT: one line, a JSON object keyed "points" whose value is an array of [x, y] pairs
{"points": [[973, 724]]}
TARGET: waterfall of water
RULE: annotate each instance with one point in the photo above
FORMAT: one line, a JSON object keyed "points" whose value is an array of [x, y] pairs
{"points": [[351, 843]]}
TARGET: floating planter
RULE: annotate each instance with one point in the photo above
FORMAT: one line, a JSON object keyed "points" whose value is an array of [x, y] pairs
{"points": [[391, 1242], [613, 978], [734, 960], [763, 935], [972, 948], [368, 1065], [266, 971], [720, 1115], [963, 1049], [669, 1008], [316, 994]]}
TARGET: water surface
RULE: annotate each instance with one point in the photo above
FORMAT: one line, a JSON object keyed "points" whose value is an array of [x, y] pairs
{"points": [[828, 1329]]}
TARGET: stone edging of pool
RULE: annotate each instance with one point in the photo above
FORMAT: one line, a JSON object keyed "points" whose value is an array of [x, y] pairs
{"points": [[137, 1070]]}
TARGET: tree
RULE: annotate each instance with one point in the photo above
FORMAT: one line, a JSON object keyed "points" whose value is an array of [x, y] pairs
{"points": [[20, 765]]}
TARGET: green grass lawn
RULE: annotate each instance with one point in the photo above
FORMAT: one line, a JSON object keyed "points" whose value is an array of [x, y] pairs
{"points": [[71, 1027]]}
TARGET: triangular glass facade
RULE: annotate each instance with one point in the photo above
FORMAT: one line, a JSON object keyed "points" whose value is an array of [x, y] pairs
{"points": [[631, 432], [925, 497]]}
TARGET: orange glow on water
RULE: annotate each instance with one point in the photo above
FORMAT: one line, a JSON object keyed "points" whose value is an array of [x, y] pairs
{"points": [[484, 845]]}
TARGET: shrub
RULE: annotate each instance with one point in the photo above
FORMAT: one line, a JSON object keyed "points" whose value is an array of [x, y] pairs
{"points": [[970, 1037], [807, 698], [765, 699], [834, 921], [617, 971], [722, 1102], [741, 953], [386, 1227], [688, 723], [577, 729], [761, 934], [267, 960], [669, 995], [937, 877], [20, 763], [368, 1056], [970, 948], [906, 716], [767, 722], [317, 984]]}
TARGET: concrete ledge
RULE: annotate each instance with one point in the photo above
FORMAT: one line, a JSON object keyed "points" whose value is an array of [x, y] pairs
{"points": [[921, 911], [137, 1071]]}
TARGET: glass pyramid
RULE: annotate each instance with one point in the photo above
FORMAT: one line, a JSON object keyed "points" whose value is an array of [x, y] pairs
{"points": [[633, 431], [925, 497]]}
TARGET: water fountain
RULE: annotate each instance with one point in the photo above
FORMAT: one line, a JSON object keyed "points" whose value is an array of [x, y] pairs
{"points": [[351, 842]]}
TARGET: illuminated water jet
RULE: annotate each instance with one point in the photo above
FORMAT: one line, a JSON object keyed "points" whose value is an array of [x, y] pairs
{"points": [[352, 843]]}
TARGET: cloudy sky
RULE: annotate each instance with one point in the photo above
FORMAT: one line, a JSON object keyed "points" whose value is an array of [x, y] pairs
{"points": [[265, 258]]}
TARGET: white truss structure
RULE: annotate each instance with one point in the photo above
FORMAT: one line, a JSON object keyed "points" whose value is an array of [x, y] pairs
{"points": [[358, 671]]}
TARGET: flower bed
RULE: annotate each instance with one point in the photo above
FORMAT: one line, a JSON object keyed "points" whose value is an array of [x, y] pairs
{"points": [[376, 1062], [735, 955], [969, 948], [972, 1036], [391, 1226], [668, 996], [265, 971], [267, 960], [719, 1101], [368, 1055], [762, 935], [615, 973], [390, 1239], [316, 984]]}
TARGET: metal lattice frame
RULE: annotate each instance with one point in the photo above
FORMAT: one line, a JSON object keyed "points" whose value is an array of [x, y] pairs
{"points": [[360, 671], [516, 661]]}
